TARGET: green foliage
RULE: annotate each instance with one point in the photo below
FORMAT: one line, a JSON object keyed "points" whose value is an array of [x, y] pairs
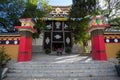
{"points": [[32, 11], [4, 22], [118, 55], [47, 8], [15, 9], [85, 49], [47, 51], [82, 8], [40, 26], [4, 58], [79, 10], [68, 50], [3, 1], [115, 21], [10, 11], [111, 9], [79, 30]]}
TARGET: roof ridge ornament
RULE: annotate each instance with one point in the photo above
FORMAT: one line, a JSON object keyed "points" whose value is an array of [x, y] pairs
{"points": [[58, 10]]}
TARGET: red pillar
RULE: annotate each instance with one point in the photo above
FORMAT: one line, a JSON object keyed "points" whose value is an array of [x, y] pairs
{"points": [[25, 46], [98, 48], [96, 29], [25, 49]]}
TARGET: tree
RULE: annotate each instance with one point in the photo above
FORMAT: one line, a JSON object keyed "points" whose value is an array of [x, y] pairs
{"points": [[115, 21], [31, 10], [10, 11], [80, 9], [37, 9], [47, 8], [111, 9]]}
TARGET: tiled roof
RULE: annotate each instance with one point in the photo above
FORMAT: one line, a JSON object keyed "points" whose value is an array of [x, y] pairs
{"points": [[113, 29], [12, 33]]}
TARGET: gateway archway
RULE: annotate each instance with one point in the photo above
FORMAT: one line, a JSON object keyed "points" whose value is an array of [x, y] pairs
{"points": [[57, 35]]}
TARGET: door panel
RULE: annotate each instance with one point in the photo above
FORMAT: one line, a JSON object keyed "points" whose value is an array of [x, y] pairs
{"points": [[47, 40]]}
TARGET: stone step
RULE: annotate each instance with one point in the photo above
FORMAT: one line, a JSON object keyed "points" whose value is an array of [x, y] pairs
{"points": [[62, 70], [62, 67], [58, 61], [59, 74], [69, 78], [61, 64]]}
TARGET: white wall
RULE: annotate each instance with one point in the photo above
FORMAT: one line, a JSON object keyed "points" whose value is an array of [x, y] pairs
{"points": [[38, 41]]}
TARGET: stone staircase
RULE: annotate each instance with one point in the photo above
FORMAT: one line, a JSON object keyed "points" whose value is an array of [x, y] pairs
{"points": [[62, 68]]}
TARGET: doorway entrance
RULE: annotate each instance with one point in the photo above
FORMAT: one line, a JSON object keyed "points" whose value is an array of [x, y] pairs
{"points": [[55, 46]]}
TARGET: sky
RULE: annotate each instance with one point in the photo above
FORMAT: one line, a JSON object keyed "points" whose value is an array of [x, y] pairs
{"points": [[60, 2]]}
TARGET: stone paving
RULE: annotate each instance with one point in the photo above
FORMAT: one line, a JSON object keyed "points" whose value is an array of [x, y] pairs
{"points": [[65, 67]]}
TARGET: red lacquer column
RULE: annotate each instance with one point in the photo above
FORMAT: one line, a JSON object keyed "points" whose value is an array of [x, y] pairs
{"points": [[25, 47], [97, 38], [98, 47]]}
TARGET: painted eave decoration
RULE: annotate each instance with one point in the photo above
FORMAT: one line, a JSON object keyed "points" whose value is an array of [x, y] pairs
{"points": [[112, 40], [112, 34], [26, 25], [27, 22], [9, 39], [98, 22], [26, 28], [59, 11], [54, 19]]}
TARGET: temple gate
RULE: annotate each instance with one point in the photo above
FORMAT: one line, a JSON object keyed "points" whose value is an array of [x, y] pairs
{"points": [[105, 40], [57, 35]]}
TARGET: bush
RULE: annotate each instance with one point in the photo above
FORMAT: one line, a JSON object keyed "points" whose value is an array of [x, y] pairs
{"points": [[118, 56], [68, 50], [4, 58], [47, 51]]}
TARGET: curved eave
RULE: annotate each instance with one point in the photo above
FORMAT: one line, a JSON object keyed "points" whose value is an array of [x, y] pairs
{"points": [[95, 27], [26, 28]]}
